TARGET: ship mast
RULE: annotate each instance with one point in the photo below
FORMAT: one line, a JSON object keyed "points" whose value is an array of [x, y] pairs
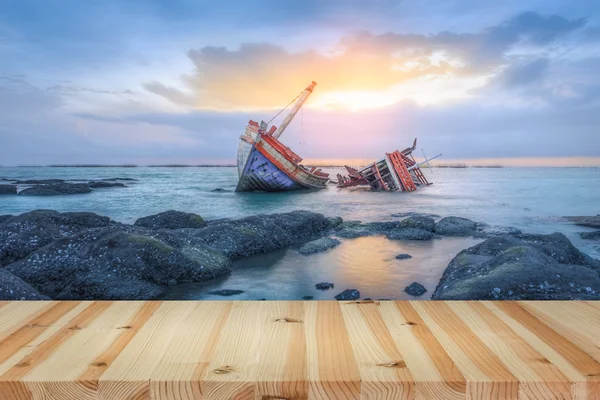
{"points": [[307, 92]]}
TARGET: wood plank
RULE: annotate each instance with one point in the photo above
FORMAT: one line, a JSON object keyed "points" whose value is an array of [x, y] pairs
{"points": [[434, 372], [581, 368], [332, 369], [233, 370], [189, 353], [74, 367], [538, 377], [487, 377], [283, 370], [299, 350], [383, 370]]}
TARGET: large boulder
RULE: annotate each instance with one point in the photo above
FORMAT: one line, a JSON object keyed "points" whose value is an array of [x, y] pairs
{"points": [[8, 189], [13, 288], [109, 263], [56, 189], [319, 245], [172, 220], [418, 222], [259, 233], [456, 226], [536, 267], [23, 234]]}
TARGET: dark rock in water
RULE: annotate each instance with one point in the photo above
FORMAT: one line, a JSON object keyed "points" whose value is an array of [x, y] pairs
{"points": [[104, 184], [119, 179], [324, 285], [584, 235], [319, 245], [5, 217], [415, 289], [23, 234], [13, 288], [219, 190], [589, 221], [261, 233], [348, 294], [336, 221], [8, 189], [403, 256], [109, 263], [39, 181], [227, 292], [355, 229], [414, 214], [419, 222], [172, 220], [307, 297], [56, 189], [456, 226], [410, 234], [526, 267]]}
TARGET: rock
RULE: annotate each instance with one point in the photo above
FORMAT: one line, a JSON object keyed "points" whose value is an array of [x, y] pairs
{"points": [[13, 288], [226, 292], [455, 226], [335, 222], [348, 294], [419, 222], [39, 182], [403, 256], [307, 297], [355, 229], [319, 245], [8, 189], [109, 263], [527, 267], [219, 190], [324, 286], [415, 289], [104, 184], [119, 179], [56, 189], [172, 220], [23, 234], [260, 233], [589, 221], [410, 234], [584, 235], [5, 218]]}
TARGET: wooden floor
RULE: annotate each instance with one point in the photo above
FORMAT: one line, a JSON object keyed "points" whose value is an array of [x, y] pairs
{"points": [[299, 350]]}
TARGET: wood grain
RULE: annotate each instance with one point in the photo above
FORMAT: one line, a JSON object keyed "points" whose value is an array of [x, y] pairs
{"points": [[299, 350]]}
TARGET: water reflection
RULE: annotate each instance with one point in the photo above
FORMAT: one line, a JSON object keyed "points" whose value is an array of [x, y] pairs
{"points": [[367, 264]]}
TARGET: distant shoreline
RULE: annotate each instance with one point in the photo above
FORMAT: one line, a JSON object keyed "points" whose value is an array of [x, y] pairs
{"points": [[441, 166]]}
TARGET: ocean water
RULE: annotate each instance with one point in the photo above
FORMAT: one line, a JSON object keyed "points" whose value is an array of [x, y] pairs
{"points": [[531, 199]]}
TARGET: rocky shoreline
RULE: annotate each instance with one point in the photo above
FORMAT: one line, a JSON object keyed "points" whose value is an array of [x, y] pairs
{"points": [[45, 254]]}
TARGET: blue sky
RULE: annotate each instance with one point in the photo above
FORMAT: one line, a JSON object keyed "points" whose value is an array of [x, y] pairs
{"points": [[176, 81]]}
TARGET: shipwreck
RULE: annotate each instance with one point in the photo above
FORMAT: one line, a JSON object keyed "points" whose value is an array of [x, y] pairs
{"points": [[397, 171], [266, 164]]}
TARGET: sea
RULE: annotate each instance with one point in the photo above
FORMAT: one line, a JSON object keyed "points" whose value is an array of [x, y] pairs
{"points": [[531, 199]]}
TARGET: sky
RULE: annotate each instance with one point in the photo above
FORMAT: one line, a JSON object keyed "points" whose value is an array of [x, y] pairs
{"points": [[164, 82]]}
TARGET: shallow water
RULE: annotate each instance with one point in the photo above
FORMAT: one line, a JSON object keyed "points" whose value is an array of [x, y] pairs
{"points": [[531, 199]]}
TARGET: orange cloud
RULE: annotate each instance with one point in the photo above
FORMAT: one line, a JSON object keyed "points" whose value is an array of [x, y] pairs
{"points": [[363, 66]]}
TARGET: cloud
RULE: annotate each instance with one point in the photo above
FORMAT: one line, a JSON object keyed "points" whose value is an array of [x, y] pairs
{"points": [[263, 75]]}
